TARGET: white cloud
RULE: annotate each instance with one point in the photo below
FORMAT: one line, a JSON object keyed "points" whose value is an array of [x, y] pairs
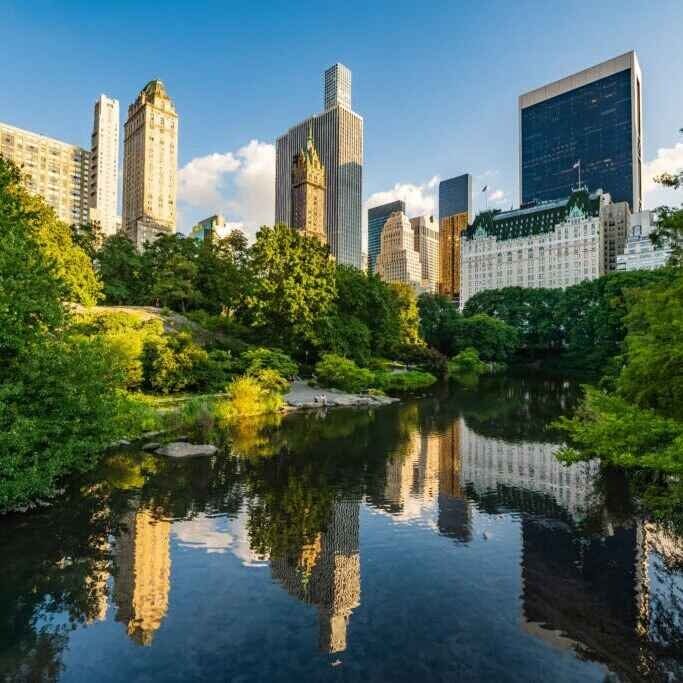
{"points": [[419, 199], [497, 196], [240, 185], [668, 160]]}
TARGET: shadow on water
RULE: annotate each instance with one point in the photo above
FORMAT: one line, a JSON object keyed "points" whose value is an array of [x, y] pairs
{"points": [[334, 538]]}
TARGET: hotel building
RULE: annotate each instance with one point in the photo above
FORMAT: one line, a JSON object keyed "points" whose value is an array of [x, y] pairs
{"points": [[590, 122], [640, 253], [553, 244], [338, 138]]}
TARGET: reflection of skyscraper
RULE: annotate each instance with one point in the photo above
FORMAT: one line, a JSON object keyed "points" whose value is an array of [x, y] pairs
{"points": [[143, 574], [326, 573], [454, 509]]}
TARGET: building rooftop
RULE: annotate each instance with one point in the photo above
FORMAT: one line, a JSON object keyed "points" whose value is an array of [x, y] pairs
{"points": [[534, 220]]}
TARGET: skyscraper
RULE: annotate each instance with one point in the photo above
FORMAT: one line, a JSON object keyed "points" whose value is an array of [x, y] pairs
{"points": [[150, 161], [338, 138], [426, 232], [377, 217], [455, 214], [308, 192], [589, 122], [104, 164], [398, 261], [55, 170]]}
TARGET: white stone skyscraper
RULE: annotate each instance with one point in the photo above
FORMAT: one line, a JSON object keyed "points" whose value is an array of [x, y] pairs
{"points": [[150, 165], [104, 164], [338, 137]]}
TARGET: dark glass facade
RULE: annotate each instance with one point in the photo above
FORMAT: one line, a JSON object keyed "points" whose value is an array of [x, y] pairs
{"points": [[377, 217], [593, 124], [455, 196]]}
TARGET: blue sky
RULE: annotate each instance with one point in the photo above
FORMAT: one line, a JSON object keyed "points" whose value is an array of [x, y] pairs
{"points": [[437, 83]]}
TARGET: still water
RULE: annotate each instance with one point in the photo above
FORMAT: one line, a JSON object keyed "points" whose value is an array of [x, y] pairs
{"points": [[436, 539]]}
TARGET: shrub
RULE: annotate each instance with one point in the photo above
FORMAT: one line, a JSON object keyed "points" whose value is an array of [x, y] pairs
{"points": [[174, 363], [466, 363], [342, 373], [247, 396], [432, 360], [270, 359], [412, 380]]}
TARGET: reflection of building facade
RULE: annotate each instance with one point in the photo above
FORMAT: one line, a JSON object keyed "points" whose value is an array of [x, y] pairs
{"points": [[326, 573], [143, 574], [490, 463]]}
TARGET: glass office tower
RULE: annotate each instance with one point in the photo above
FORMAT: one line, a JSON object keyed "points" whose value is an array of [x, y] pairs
{"points": [[589, 122], [377, 217]]}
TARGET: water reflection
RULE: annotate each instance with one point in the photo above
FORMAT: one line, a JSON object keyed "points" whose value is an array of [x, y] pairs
{"points": [[583, 585]]}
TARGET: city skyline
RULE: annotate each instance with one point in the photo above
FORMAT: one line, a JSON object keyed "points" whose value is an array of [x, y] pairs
{"points": [[226, 152]]}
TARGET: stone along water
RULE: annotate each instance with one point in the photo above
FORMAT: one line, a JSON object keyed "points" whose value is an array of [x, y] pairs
{"points": [[437, 539]]}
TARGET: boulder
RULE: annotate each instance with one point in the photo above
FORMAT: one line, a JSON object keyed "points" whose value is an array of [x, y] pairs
{"points": [[180, 449]]}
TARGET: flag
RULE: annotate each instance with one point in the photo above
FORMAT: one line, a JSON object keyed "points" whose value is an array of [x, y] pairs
{"points": [[486, 187], [577, 164]]}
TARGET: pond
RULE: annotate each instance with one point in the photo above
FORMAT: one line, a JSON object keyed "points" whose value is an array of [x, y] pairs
{"points": [[435, 539]]}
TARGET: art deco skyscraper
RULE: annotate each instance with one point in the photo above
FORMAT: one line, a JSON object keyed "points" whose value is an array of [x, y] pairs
{"points": [[338, 138], [150, 162], [104, 164], [308, 192]]}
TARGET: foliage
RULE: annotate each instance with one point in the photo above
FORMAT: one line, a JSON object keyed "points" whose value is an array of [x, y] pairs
{"points": [[467, 362], [652, 376], [408, 314], [220, 276], [250, 396], [292, 286], [120, 269], [432, 360], [342, 373], [410, 381], [609, 427], [585, 322], [669, 232], [262, 358]]}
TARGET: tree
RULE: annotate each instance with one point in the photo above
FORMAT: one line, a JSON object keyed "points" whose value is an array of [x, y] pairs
{"points": [[169, 268], [437, 316], [405, 301], [120, 268], [220, 273], [652, 376], [292, 286]]}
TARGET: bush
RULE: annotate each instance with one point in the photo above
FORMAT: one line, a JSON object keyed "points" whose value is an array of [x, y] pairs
{"points": [[412, 380], [432, 360], [269, 359], [247, 396], [466, 363], [342, 373]]}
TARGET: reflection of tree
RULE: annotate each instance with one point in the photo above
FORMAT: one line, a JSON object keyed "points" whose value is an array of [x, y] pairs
{"points": [[515, 408], [54, 563]]}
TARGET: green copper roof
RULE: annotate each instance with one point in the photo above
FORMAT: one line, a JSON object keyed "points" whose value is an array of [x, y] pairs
{"points": [[533, 220]]}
